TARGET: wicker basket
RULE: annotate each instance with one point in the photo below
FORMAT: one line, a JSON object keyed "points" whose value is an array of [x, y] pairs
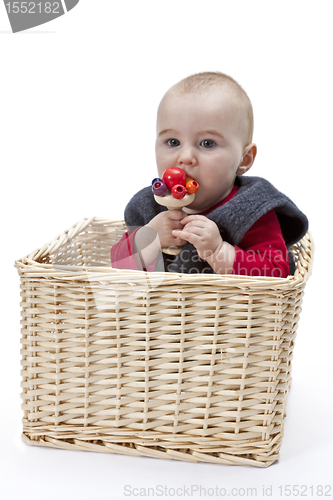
{"points": [[187, 367]]}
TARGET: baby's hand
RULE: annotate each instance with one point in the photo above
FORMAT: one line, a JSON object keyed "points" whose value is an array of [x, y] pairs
{"points": [[165, 223], [203, 233]]}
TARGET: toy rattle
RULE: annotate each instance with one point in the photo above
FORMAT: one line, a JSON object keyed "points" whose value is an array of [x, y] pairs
{"points": [[174, 191]]}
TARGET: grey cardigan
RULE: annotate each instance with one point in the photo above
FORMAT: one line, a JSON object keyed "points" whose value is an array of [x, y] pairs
{"points": [[254, 198]]}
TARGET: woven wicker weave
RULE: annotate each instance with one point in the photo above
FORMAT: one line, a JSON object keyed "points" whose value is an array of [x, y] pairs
{"points": [[188, 367]]}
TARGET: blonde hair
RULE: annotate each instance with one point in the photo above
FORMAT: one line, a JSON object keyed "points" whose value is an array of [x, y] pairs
{"points": [[204, 82]]}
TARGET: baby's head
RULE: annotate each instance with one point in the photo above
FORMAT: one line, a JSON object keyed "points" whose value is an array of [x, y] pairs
{"points": [[205, 126], [218, 85]]}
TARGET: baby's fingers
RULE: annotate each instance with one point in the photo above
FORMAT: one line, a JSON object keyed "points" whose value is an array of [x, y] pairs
{"points": [[177, 233], [186, 235], [196, 219]]}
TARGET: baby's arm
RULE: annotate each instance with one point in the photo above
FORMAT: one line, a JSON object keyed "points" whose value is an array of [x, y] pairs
{"points": [[139, 249], [262, 251], [204, 234]]}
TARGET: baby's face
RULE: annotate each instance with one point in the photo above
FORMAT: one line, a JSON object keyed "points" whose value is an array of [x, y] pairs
{"points": [[202, 135]]}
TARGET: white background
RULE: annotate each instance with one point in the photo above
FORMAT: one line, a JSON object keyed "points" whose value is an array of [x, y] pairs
{"points": [[78, 98]]}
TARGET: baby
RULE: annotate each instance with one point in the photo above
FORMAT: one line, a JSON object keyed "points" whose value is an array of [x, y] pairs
{"points": [[235, 225]]}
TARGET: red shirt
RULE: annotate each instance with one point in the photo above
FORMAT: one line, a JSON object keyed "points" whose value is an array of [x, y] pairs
{"points": [[262, 251]]}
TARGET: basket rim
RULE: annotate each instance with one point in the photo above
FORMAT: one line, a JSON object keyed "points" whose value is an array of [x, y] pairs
{"points": [[29, 265]]}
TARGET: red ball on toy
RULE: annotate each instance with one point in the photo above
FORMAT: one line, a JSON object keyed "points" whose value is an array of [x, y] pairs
{"points": [[173, 176], [178, 191]]}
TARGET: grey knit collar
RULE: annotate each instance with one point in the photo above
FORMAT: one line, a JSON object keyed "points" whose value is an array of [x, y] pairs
{"points": [[255, 197]]}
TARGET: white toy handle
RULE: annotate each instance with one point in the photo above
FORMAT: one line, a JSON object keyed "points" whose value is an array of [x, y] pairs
{"points": [[173, 204]]}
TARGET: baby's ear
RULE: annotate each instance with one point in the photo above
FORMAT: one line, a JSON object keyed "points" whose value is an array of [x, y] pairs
{"points": [[249, 155]]}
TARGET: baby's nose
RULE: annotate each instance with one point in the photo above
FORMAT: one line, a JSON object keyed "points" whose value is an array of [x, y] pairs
{"points": [[186, 157]]}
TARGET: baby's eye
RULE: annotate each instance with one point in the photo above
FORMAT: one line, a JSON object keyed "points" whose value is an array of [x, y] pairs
{"points": [[207, 143], [173, 143]]}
